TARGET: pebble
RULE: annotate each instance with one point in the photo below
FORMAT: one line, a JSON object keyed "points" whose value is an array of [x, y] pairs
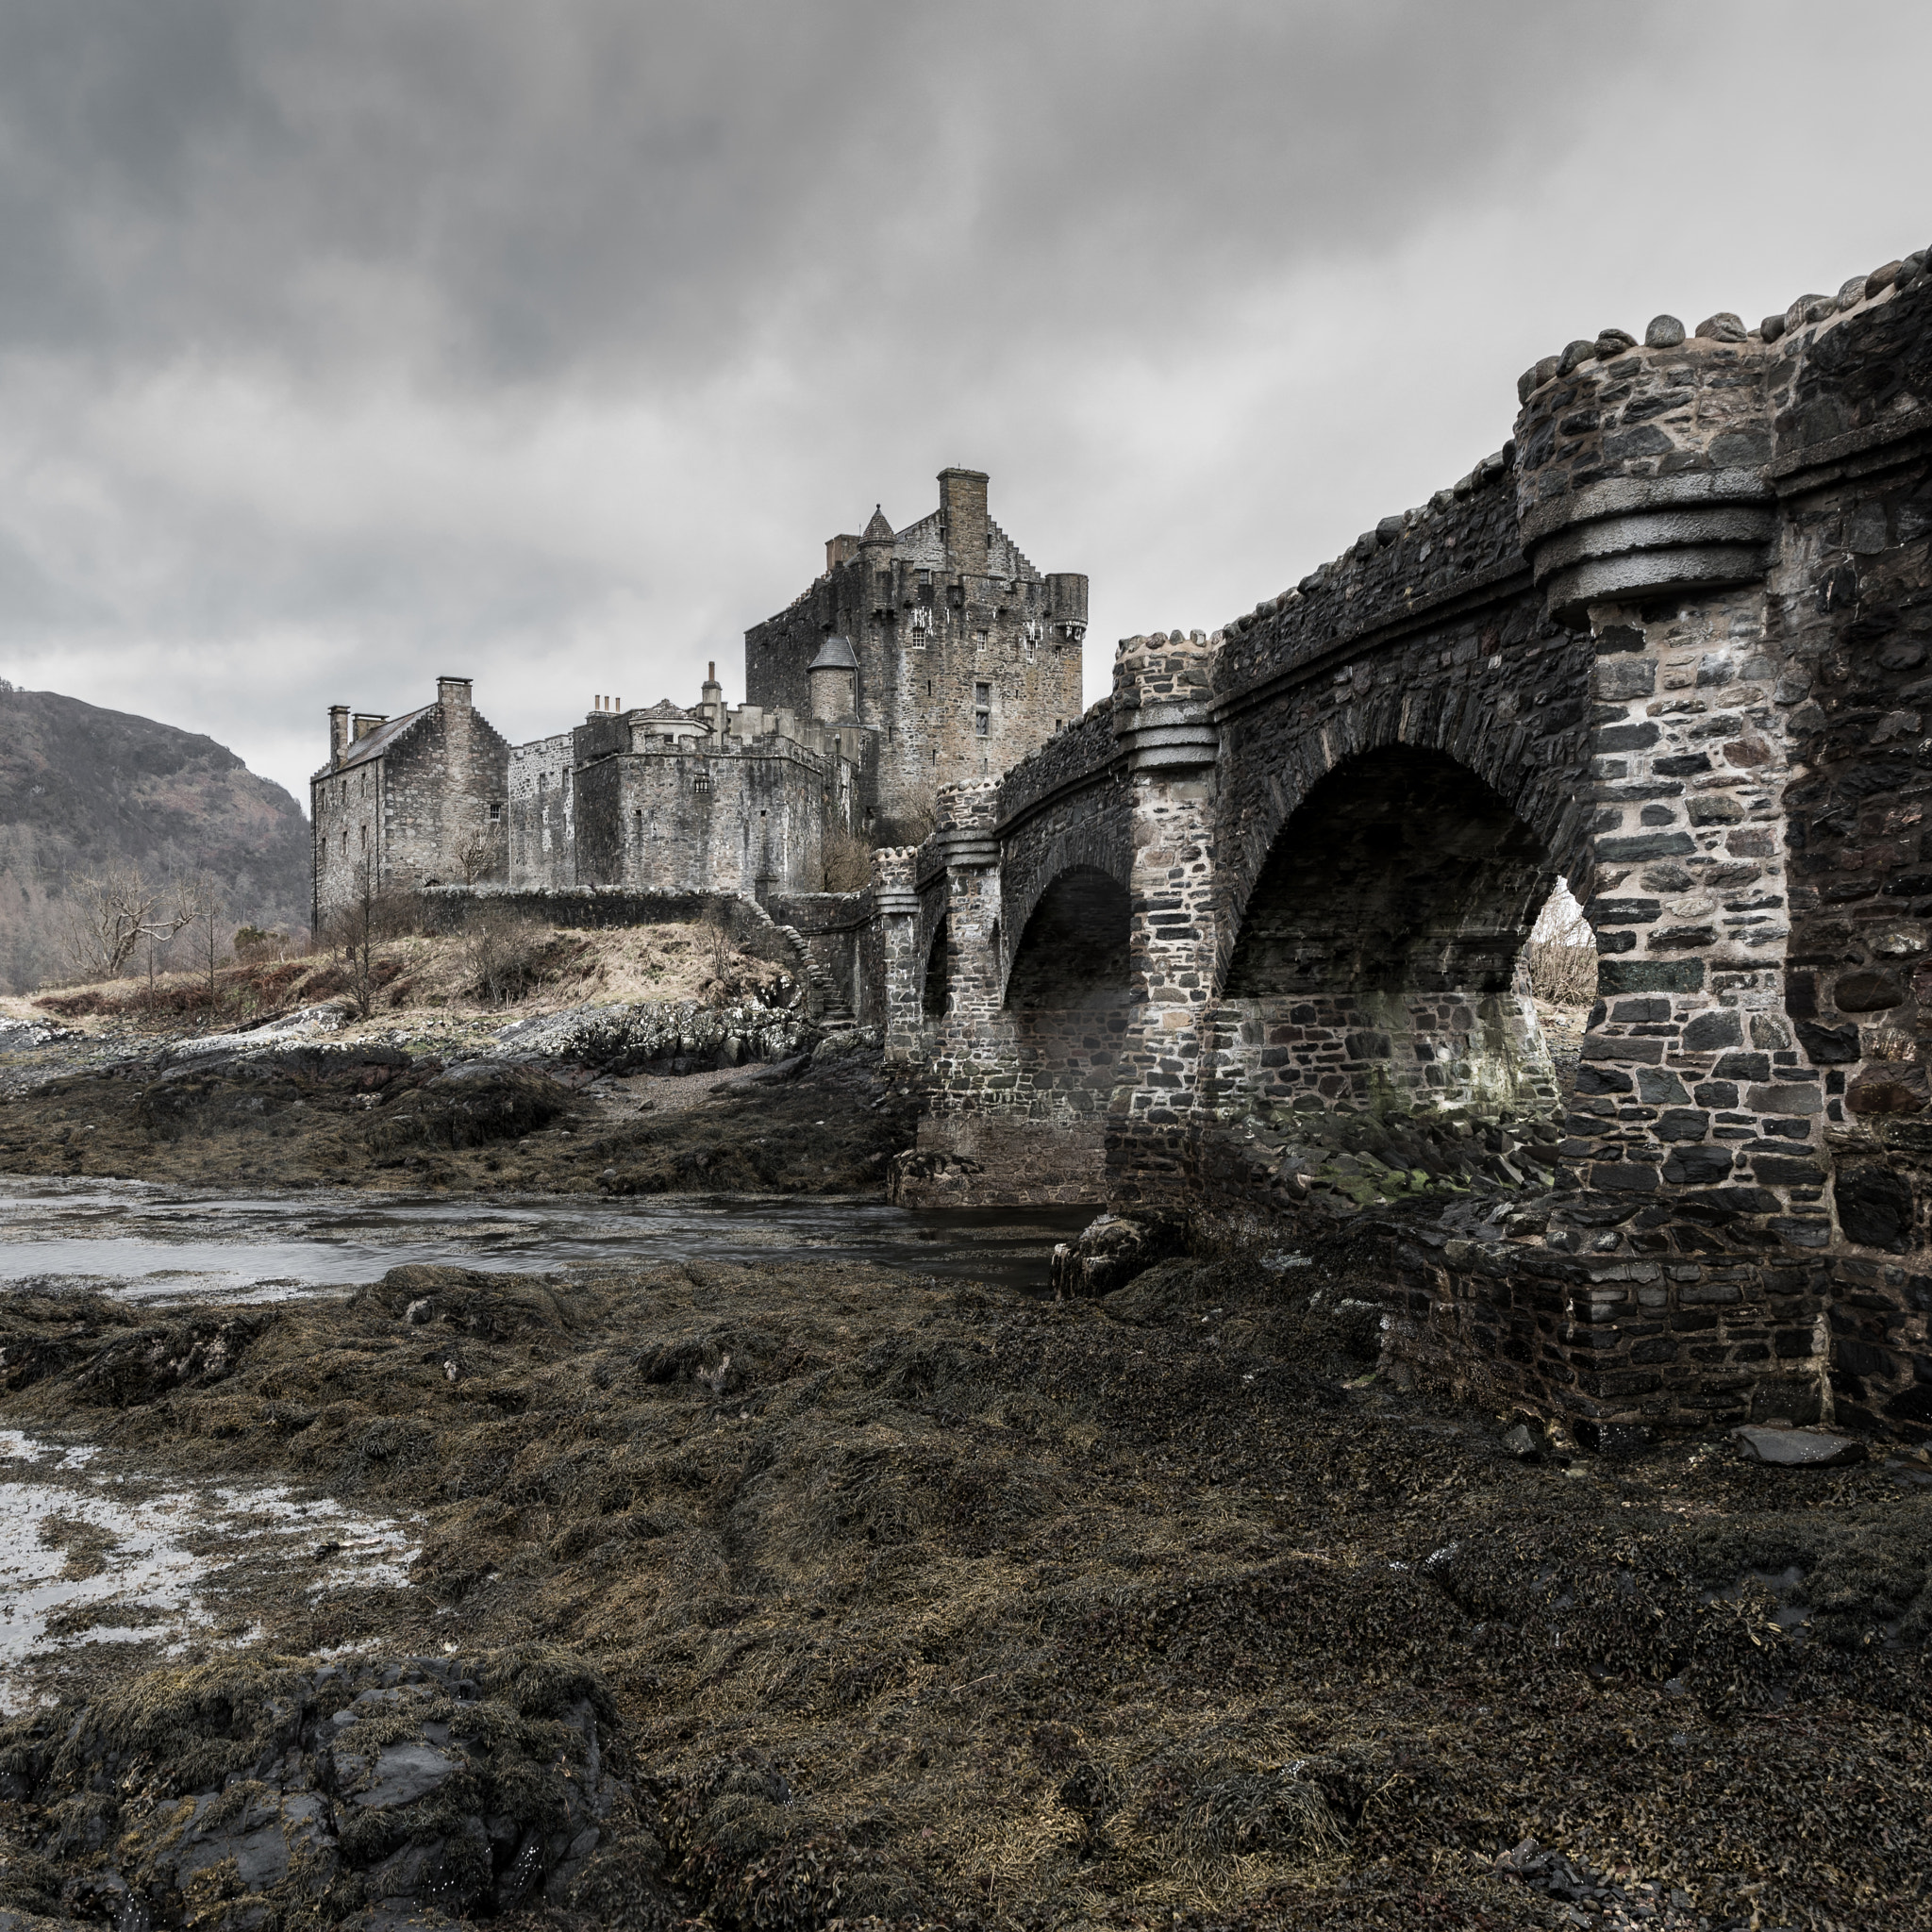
{"points": [[1771, 327], [1574, 355], [1665, 332], [1613, 341], [1852, 292]]}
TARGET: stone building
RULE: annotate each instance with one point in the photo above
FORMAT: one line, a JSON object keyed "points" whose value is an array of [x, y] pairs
{"points": [[411, 801], [936, 655], [716, 798], [941, 641]]}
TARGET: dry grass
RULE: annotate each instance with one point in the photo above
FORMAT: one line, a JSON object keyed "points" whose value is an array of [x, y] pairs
{"points": [[419, 977]]}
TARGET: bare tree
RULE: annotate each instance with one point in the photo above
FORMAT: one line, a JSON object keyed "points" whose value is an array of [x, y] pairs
{"points": [[475, 858], [1562, 952], [111, 911], [353, 926], [204, 903], [845, 861]]}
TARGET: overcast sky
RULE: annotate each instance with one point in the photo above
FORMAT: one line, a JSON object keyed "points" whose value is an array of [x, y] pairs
{"points": [[546, 340]]}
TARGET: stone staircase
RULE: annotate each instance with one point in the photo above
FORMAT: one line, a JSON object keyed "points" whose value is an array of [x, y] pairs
{"points": [[827, 1004]]}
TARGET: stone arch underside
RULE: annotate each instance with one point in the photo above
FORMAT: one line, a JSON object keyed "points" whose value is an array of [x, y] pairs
{"points": [[936, 983], [1091, 830], [1067, 993], [1540, 775], [1376, 960]]}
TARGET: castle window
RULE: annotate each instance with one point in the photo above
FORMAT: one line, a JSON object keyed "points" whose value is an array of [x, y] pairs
{"points": [[982, 713], [495, 811], [637, 819], [542, 781], [700, 779]]}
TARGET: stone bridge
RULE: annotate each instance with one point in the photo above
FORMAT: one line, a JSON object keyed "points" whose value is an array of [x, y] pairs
{"points": [[1260, 918]]}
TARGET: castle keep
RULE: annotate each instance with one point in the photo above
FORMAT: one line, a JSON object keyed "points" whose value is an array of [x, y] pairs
{"points": [[959, 658]]}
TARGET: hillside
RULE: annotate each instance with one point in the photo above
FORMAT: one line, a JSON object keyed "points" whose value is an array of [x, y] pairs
{"points": [[81, 787]]}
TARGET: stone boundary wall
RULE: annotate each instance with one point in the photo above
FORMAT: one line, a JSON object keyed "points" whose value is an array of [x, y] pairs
{"points": [[844, 936]]}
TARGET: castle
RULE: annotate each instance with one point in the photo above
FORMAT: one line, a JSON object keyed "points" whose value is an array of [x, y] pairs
{"points": [[930, 656]]}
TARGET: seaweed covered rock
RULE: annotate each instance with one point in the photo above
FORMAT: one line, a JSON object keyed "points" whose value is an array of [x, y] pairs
{"points": [[462, 1785], [663, 1037], [1114, 1248]]}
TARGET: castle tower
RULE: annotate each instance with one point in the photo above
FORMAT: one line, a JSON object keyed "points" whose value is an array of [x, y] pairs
{"points": [[964, 658]]}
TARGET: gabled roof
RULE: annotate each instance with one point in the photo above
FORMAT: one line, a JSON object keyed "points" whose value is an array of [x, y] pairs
{"points": [[665, 708], [373, 744]]}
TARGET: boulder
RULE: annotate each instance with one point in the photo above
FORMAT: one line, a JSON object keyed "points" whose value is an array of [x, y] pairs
{"points": [[1798, 1448]]}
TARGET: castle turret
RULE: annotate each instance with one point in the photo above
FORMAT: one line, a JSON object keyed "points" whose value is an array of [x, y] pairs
{"points": [[831, 673]]}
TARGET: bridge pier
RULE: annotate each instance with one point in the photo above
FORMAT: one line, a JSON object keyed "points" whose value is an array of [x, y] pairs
{"points": [[1163, 722]]}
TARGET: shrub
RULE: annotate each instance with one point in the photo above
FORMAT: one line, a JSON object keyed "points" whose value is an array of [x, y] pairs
{"points": [[503, 954], [1565, 976]]}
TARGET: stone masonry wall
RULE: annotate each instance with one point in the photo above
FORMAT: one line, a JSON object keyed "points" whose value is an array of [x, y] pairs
{"points": [[542, 813], [746, 823], [1850, 610]]}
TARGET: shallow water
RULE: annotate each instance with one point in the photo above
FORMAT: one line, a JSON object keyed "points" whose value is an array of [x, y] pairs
{"points": [[88, 1558], [147, 1242]]}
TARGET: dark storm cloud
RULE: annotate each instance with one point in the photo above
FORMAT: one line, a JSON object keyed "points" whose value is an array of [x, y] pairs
{"points": [[343, 342], [594, 188]]}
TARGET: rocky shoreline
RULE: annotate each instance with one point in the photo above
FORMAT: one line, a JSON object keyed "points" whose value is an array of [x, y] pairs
{"points": [[638, 1099]]}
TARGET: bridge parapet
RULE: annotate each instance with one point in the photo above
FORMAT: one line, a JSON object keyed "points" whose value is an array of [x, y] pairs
{"points": [[1462, 543]]}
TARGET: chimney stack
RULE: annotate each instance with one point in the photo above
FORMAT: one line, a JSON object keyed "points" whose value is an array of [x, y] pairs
{"points": [[338, 732], [453, 694], [367, 721], [962, 498]]}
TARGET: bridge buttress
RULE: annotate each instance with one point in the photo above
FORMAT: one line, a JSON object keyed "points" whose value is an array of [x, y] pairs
{"points": [[1162, 700], [896, 900]]}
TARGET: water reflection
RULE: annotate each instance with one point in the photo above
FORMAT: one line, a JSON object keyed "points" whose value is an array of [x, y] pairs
{"points": [[144, 1242]]}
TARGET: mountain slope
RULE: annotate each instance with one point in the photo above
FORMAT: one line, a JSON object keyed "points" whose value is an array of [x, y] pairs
{"points": [[82, 788]]}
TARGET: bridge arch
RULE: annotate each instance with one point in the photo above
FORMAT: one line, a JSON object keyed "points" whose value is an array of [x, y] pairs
{"points": [[1480, 735], [1376, 959], [1067, 990], [935, 992]]}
